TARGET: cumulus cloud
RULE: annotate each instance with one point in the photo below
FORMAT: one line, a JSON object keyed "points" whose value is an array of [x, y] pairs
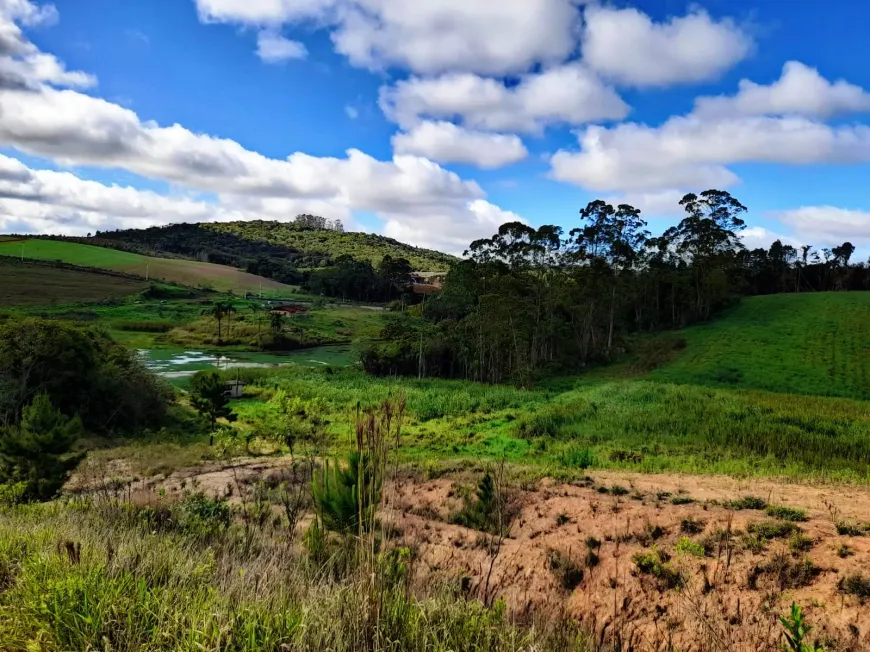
{"points": [[484, 36], [800, 90], [625, 45], [691, 152], [827, 225], [446, 143], [568, 94], [274, 48], [77, 129]]}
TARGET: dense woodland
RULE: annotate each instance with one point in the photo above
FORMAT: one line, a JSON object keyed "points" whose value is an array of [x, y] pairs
{"points": [[290, 253], [527, 301]]}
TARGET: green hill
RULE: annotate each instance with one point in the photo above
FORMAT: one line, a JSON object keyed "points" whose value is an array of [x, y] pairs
{"points": [[812, 343], [278, 248], [185, 272]]}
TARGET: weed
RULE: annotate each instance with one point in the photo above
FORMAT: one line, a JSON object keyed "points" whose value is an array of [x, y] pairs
{"points": [[796, 631], [562, 519], [682, 500], [844, 551], [785, 573]]}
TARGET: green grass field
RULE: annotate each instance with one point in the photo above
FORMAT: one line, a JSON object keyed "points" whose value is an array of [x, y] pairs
{"points": [[28, 284], [184, 272], [815, 343]]}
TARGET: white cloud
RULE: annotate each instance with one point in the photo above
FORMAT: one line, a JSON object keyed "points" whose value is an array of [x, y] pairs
{"points": [[77, 129], [274, 48], [352, 112], [446, 143], [755, 237], [689, 152], [800, 90], [261, 12], [827, 225], [567, 94], [444, 233], [626, 46], [663, 203], [483, 36]]}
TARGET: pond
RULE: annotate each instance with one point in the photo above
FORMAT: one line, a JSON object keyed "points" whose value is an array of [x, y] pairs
{"points": [[178, 365]]}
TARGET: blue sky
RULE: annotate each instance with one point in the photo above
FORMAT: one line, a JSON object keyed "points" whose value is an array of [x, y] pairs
{"points": [[432, 122]]}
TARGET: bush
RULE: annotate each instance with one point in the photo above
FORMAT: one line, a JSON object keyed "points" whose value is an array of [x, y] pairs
{"points": [[578, 458], [83, 372], [786, 513], [655, 563], [855, 584], [767, 530], [687, 546], [747, 502], [484, 511], [569, 574], [850, 529], [692, 526], [36, 452]]}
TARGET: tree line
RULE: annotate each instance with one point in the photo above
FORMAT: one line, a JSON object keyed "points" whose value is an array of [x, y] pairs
{"points": [[529, 301]]}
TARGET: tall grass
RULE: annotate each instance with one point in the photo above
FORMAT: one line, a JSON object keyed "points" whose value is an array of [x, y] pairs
{"points": [[812, 343], [652, 426]]}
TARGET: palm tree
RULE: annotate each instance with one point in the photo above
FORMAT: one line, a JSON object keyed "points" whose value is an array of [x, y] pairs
{"points": [[229, 310], [276, 321], [217, 311]]}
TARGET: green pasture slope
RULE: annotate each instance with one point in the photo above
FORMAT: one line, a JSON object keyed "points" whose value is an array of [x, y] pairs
{"points": [[810, 343], [185, 272]]}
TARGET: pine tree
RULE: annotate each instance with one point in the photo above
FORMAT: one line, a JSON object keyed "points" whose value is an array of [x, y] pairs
{"points": [[36, 452], [208, 396]]}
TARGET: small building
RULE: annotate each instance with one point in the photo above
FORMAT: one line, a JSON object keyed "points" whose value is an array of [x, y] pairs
{"points": [[235, 388], [289, 310]]}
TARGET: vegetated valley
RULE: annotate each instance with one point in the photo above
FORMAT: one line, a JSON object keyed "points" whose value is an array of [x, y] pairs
{"points": [[601, 440]]}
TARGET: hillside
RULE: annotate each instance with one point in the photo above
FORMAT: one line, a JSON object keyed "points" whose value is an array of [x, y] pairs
{"points": [[185, 272], [36, 284], [808, 343], [269, 244]]}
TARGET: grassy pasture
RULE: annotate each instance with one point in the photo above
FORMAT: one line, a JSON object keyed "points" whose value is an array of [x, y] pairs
{"points": [[812, 343], [26, 284], [185, 272]]}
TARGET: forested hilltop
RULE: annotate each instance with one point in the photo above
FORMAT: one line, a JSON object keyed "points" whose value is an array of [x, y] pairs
{"points": [[277, 250], [528, 301]]}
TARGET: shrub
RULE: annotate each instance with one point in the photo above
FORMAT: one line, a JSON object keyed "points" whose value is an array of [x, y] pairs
{"points": [[787, 574], [687, 546], [747, 502], [786, 513], [844, 551], [692, 526], [849, 529], [618, 490], [82, 371], [771, 529], [485, 510], [36, 453], [655, 563], [682, 500], [800, 542], [577, 458], [569, 574], [855, 584]]}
